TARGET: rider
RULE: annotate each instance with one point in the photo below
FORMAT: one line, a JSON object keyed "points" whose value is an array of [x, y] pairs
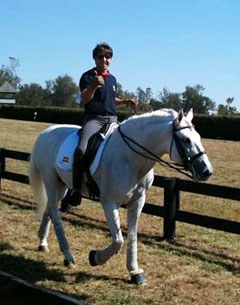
{"points": [[99, 97]]}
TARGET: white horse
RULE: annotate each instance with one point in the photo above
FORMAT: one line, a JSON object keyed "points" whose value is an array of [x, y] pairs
{"points": [[124, 175]]}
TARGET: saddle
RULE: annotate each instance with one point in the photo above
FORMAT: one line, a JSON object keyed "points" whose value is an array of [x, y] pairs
{"points": [[92, 156]]}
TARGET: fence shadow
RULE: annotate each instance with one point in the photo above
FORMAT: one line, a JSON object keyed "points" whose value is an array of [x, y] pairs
{"points": [[209, 255]]}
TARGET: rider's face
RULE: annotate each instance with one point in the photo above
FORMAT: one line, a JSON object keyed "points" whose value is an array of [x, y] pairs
{"points": [[103, 60]]}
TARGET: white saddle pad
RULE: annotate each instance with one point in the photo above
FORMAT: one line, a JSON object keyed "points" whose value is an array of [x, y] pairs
{"points": [[64, 160]]}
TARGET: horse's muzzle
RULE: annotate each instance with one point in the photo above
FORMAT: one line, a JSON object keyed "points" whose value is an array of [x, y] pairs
{"points": [[202, 169], [206, 174]]}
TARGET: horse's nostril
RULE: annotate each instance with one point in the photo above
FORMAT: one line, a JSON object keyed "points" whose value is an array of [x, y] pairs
{"points": [[207, 173]]}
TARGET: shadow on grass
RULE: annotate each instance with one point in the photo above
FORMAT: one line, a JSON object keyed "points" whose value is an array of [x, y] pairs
{"points": [[82, 277], [17, 202], [85, 222], [210, 255], [27, 269], [5, 247]]}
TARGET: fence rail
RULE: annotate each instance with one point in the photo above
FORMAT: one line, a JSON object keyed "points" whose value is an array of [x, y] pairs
{"points": [[170, 211]]}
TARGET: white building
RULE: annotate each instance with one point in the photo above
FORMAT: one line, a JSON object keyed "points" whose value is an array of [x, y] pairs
{"points": [[7, 93]]}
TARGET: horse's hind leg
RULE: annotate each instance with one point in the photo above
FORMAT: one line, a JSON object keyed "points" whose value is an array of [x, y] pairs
{"points": [[44, 231], [54, 213], [45, 226]]}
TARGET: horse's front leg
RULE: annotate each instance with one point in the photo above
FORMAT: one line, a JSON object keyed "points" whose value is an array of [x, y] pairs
{"points": [[133, 213], [100, 257]]}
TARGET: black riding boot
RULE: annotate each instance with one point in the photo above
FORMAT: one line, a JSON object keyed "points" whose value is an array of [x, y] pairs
{"points": [[73, 196], [78, 168]]}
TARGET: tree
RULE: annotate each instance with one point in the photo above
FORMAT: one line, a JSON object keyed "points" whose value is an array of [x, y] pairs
{"points": [[63, 91], [227, 109], [8, 73], [193, 98], [155, 104], [124, 94], [144, 98], [170, 100], [32, 95]]}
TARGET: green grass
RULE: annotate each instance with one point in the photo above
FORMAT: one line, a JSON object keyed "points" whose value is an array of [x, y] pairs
{"points": [[201, 267]]}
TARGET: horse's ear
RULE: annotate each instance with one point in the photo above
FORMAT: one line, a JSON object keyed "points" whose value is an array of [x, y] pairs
{"points": [[180, 115], [190, 115]]}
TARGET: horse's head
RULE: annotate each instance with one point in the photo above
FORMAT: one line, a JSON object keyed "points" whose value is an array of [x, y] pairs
{"points": [[187, 149]]}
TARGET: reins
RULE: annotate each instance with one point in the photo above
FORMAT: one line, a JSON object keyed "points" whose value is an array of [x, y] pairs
{"points": [[152, 156]]}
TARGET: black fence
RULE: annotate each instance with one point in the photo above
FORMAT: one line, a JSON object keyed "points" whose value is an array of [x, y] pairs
{"points": [[170, 210]]}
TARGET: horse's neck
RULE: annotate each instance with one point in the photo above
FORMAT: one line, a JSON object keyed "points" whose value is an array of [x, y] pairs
{"points": [[153, 133], [124, 160]]}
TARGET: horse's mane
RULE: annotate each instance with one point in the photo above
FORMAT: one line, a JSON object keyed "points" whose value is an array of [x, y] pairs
{"points": [[162, 114]]}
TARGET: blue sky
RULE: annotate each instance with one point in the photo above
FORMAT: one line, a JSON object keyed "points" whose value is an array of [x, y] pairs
{"points": [[157, 43]]}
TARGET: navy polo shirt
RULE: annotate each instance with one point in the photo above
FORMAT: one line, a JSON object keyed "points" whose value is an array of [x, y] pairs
{"points": [[103, 101]]}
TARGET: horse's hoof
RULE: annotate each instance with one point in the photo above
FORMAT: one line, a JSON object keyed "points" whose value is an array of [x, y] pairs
{"points": [[43, 248], [91, 257], [70, 263], [139, 279]]}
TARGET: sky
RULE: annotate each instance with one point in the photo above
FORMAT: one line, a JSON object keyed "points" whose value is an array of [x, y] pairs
{"points": [[157, 43]]}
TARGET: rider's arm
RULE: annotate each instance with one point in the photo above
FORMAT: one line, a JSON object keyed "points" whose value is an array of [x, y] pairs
{"points": [[88, 93], [126, 102]]}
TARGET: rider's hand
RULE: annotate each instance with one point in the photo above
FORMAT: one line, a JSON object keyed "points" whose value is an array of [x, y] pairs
{"points": [[98, 80], [131, 102]]}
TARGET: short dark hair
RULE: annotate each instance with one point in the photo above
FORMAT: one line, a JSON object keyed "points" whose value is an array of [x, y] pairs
{"points": [[100, 47]]}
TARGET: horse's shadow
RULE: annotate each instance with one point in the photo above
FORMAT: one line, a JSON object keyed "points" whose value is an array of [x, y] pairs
{"points": [[29, 270]]}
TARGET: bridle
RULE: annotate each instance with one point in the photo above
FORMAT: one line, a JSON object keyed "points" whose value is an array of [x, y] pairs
{"points": [[187, 161]]}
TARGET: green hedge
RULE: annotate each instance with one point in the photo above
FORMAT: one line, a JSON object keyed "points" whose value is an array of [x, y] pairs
{"points": [[218, 127], [42, 114], [213, 127]]}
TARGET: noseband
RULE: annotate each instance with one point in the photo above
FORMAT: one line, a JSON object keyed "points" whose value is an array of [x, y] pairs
{"points": [[187, 160]]}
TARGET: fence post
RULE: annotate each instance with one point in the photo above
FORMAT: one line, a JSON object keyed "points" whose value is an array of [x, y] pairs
{"points": [[2, 164], [171, 205]]}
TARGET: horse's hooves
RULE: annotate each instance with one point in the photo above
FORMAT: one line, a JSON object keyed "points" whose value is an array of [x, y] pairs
{"points": [[70, 263], [43, 248], [91, 257], [139, 279]]}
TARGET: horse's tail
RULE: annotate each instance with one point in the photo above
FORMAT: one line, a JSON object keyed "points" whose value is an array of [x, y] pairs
{"points": [[37, 185]]}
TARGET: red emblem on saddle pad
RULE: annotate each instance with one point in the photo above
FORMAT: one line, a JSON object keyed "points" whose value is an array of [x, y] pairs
{"points": [[65, 159]]}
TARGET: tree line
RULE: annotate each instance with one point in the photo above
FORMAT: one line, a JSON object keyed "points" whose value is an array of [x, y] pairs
{"points": [[62, 92]]}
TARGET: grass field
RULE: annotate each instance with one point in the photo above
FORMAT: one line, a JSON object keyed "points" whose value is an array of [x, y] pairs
{"points": [[201, 267]]}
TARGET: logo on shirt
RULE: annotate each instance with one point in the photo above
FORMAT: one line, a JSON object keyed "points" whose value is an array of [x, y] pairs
{"points": [[114, 88]]}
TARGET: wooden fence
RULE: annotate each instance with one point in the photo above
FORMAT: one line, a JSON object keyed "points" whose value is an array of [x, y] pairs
{"points": [[170, 210]]}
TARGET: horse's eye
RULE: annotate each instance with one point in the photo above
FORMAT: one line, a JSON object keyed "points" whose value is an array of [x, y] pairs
{"points": [[187, 140]]}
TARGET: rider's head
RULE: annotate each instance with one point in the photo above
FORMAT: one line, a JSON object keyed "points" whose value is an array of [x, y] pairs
{"points": [[102, 48]]}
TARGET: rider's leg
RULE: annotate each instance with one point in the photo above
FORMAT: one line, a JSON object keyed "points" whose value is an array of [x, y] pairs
{"points": [[89, 128]]}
